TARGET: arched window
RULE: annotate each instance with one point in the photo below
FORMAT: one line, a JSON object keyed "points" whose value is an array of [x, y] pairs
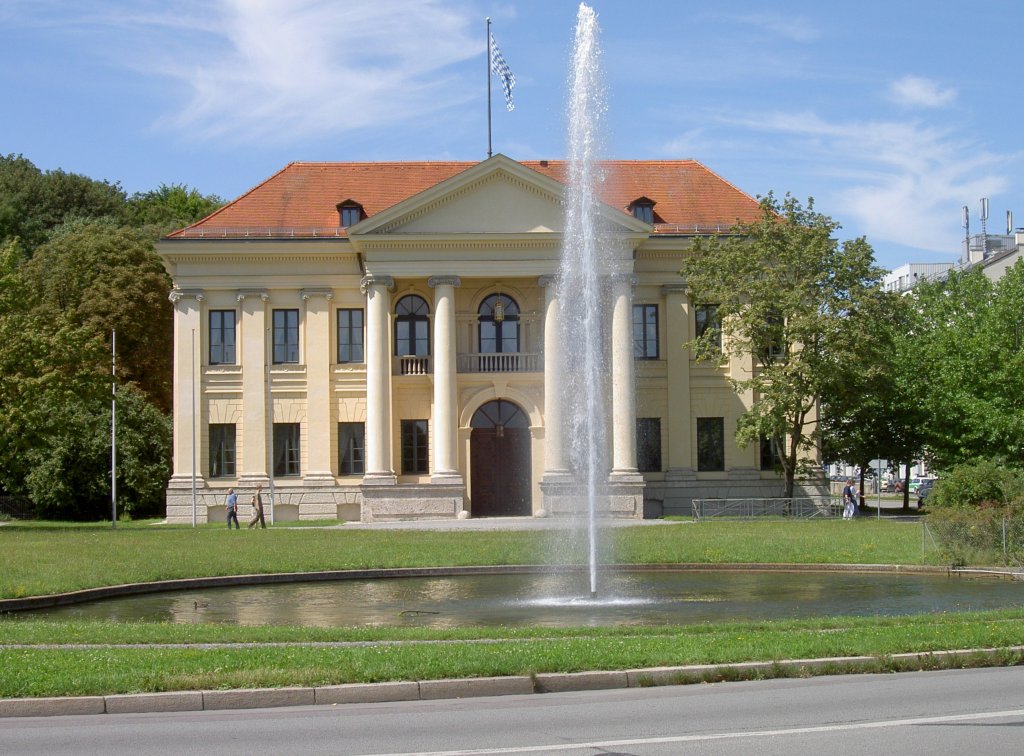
{"points": [[412, 327], [499, 325]]}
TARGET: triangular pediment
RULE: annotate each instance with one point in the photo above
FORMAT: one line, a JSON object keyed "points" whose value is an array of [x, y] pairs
{"points": [[497, 196]]}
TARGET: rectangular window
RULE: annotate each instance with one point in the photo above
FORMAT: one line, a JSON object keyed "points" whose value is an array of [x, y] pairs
{"points": [[648, 444], [769, 452], [351, 448], [645, 331], [775, 345], [286, 336], [286, 449], [222, 337], [710, 444], [350, 335], [351, 215], [222, 450], [707, 320], [414, 447]]}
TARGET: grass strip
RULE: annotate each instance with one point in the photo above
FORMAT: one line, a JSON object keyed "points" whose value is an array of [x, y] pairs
{"points": [[45, 558], [99, 671]]}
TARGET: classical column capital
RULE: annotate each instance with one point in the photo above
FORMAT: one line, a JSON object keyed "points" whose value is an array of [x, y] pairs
{"points": [[548, 279], [244, 294], [177, 295], [668, 289], [435, 281], [371, 279], [308, 294]]}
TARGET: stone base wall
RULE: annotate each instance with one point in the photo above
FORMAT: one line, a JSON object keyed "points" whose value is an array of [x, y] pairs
{"points": [[420, 501], [675, 497], [621, 499], [291, 502]]}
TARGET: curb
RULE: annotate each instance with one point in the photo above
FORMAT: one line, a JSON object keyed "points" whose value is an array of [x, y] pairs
{"points": [[430, 690]]}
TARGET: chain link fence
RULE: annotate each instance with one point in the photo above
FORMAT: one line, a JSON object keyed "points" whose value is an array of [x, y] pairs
{"points": [[977, 539]]}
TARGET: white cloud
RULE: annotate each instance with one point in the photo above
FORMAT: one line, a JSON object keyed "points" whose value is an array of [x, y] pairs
{"points": [[270, 70], [901, 182], [919, 92]]}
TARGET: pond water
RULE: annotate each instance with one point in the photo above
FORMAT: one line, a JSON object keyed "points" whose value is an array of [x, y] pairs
{"points": [[654, 597]]}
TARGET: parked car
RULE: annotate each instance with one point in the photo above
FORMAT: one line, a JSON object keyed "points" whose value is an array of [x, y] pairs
{"points": [[923, 490]]}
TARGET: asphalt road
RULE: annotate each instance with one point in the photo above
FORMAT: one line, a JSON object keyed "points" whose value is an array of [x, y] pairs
{"points": [[951, 712]]}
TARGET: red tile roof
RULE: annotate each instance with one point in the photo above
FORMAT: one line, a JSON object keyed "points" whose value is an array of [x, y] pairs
{"points": [[302, 198]]}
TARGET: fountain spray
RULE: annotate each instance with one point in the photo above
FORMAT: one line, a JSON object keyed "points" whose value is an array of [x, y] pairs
{"points": [[582, 297]]}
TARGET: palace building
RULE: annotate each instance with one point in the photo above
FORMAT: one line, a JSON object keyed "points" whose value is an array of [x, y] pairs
{"points": [[375, 341]]}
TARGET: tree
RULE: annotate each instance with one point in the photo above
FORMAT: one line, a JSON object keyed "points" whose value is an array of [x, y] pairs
{"points": [[105, 277], [968, 340], [785, 290], [168, 208], [871, 408], [32, 203]]}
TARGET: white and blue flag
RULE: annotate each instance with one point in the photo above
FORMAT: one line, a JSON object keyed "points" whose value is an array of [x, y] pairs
{"points": [[500, 69]]}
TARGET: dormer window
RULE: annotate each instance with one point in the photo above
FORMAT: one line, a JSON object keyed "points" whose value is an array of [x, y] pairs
{"points": [[643, 209], [350, 213]]}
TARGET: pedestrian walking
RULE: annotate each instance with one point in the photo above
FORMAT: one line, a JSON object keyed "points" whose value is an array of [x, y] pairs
{"points": [[257, 509], [849, 500], [232, 507]]}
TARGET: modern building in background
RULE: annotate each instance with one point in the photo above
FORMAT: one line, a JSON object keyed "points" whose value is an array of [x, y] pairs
{"points": [[376, 341]]}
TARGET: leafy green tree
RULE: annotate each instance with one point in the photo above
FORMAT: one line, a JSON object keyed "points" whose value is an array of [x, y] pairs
{"points": [[785, 290], [169, 207], [105, 277], [32, 203], [870, 407]]}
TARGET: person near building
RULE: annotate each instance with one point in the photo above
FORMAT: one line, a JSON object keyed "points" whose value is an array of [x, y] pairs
{"points": [[257, 509], [232, 507]]}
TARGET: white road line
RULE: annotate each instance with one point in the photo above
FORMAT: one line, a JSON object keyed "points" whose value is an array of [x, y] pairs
{"points": [[721, 736]]}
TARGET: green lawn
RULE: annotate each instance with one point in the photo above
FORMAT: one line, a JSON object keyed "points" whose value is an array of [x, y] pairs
{"points": [[42, 558]]}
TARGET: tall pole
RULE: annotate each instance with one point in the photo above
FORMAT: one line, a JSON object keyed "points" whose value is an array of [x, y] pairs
{"points": [[113, 429], [489, 152], [193, 358], [270, 425]]}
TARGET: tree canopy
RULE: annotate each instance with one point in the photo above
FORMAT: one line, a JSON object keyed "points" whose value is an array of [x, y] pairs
{"points": [[787, 295]]}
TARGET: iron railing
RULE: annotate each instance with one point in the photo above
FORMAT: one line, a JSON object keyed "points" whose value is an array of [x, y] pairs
{"points": [[757, 506]]}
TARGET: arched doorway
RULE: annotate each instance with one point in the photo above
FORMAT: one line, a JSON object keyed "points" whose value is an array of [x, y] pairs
{"points": [[500, 466]]}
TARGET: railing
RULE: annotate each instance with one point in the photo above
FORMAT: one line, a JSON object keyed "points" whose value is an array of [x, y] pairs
{"points": [[413, 365], [262, 232], [798, 506], [500, 362]]}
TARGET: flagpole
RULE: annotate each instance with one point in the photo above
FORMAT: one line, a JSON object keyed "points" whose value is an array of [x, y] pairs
{"points": [[489, 152]]}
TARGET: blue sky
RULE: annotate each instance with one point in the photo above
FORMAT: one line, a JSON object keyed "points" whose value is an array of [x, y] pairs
{"points": [[892, 115]]}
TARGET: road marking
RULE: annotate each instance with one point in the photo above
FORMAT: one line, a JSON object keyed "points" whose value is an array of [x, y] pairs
{"points": [[721, 735]]}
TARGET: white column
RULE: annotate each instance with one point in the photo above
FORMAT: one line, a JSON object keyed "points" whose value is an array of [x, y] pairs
{"points": [[318, 386], [446, 420], [677, 358], [379, 468], [254, 337], [623, 404], [554, 452], [188, 339]]}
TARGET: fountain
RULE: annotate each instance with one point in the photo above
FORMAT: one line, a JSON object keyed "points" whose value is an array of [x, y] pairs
{"points": [[583, 302]]}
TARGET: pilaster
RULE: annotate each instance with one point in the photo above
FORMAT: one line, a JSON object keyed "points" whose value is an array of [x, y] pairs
{"points": [[677, 333], [318, 386], [188, 423], [254, 337]]}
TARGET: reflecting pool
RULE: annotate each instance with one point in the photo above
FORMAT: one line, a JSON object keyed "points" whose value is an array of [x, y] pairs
{"points": [[654, 597]]}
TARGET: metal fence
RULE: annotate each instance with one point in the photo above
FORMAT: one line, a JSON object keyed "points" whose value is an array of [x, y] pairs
{"points": [[975, 542], [16, 508], [799, 506]]}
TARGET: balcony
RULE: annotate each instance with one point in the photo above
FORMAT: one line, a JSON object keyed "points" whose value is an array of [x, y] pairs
{"points": [[500, 362], [474, 362]]}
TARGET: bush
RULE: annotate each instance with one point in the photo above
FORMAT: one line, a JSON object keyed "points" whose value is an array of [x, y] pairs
{"points": [[979, 485], [979, 536]]}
